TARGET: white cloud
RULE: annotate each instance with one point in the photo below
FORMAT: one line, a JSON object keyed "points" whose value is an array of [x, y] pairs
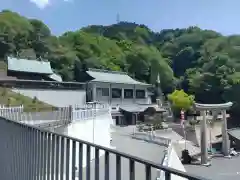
{"points": [[44, 3], [41, 3]]}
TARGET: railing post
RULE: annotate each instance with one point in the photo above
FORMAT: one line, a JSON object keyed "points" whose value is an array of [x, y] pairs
{"points": [[106, 165], [148, 172], [131, 170], [37, 154], [62, 155], [88, 175], [45, 137], [167, 175], [73, 160], [42, 155], [80, 162], [58, 143], [31, 160], [49, 141], [67, 162], [25, 152], [118, 167], [53, 157], [96, 164]]}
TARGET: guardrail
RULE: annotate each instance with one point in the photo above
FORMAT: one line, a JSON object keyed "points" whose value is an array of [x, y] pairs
{"points": [[31, 153]]}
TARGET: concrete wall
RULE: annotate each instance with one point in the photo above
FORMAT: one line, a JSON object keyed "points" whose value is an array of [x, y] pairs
{"points": [[95, 130], [91, 130], [58, 98]]}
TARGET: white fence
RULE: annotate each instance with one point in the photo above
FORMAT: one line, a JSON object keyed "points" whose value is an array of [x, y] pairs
{"points": [[12, 112], [89, 111]]}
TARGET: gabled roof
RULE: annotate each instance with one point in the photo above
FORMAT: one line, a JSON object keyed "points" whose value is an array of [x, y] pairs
{"points": [[32, 66], [99, 75]]}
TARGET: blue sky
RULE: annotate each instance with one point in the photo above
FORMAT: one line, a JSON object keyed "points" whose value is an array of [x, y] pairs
{"points": [[62, 15]]}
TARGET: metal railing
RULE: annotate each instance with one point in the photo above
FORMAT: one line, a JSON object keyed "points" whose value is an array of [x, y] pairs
{"points": [[30, 153], [58, 117]]}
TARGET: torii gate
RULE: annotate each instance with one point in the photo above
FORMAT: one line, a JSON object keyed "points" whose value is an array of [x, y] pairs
{"points": [[225, 140]]}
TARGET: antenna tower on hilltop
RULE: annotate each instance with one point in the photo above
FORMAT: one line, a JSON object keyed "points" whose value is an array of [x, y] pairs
{"points": [[118, 18]]}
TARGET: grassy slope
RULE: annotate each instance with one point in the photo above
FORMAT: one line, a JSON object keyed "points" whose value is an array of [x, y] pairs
{"points": [[7, 97]]}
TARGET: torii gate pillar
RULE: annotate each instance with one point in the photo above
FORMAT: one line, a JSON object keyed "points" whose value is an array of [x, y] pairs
{"points": [[225, 140], [225, 137]]}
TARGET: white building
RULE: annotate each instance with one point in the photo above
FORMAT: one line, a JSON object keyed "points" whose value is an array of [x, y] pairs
{"points": [[115, 88]]}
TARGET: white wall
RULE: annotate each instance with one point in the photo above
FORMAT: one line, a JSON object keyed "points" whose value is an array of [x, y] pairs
{"points": [[95, 130], [85, 130], [58, 98]]}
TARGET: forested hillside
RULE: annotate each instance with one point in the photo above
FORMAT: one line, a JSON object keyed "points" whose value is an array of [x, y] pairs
{"points": [[202, 62]]}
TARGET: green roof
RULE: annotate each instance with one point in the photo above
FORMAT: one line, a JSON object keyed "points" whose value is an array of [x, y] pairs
{"points": [[32, 66], [56, 77], [112, 77]]}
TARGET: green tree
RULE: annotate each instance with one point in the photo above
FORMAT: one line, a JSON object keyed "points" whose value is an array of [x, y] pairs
{"points": [[181, 100]]}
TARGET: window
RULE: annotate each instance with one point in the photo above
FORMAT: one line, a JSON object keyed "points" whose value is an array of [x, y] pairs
{"points": [[105, 92], [140, 94], [102, 92], [128, 93], [116, 93]]}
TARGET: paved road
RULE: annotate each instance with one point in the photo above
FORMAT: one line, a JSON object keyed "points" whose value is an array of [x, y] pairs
{"points": [[133, 147], [221, 169]]}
